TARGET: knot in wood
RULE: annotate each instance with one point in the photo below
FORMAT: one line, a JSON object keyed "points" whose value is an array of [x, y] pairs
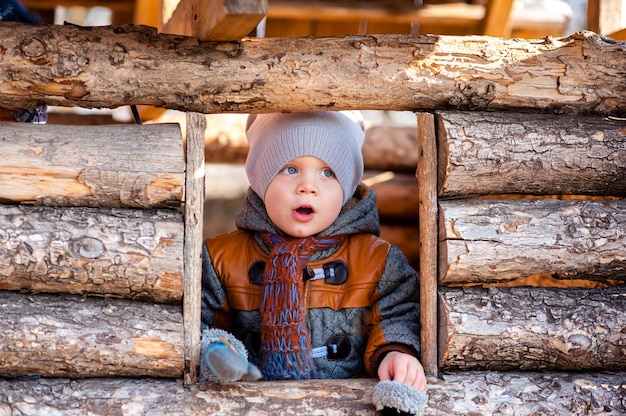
{"points": [[579, 343], [473, 94], [89, 247], [35, 50], [118, 54]]}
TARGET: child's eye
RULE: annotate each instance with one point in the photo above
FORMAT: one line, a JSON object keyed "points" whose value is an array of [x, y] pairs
{"points": [[289, 170], [328, 173]]}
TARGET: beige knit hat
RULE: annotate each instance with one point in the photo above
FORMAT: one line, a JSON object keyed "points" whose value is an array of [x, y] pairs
{"points": [[277, 138]]}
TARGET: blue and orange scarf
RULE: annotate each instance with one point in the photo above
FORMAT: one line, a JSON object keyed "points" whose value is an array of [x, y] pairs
{"points": [[285, 343]]}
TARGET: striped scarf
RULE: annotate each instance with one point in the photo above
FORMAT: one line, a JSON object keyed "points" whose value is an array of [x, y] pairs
{"points": [[285, 344]]}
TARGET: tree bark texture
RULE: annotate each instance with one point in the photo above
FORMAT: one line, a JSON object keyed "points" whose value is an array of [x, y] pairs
{"points": [[114, 252], [122, 65], [532, 329], [516, 153], [99, 166], [462, 393], [486, 240], [68, 336]]}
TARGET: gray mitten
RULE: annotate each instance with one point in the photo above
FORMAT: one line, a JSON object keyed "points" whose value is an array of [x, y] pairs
{"points": [[395, 398], [223, 358]]}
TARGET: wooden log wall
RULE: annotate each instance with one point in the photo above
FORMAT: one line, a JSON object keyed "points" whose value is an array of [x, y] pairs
{"points": [[85, 212], [580, 74], [484, 241], [460, 393]]}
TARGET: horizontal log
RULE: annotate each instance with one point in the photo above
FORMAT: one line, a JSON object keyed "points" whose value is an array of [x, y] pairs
{"points": [[532, 329], [113, 66], [489, 240], [462, 393], [541, 154], [99, 166], [106, 251], [69, 336]]}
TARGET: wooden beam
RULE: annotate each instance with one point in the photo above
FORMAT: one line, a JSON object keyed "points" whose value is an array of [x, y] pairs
{"points": [[194, 214], [605, 16], [177, 18], [229, 19], [455, 14], [220, 20], [497, 20], [580, 73], [427, 182], [461, 393]]}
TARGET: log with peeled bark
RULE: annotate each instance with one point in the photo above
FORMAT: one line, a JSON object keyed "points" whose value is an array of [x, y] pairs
{"points": [[541, 154], [462, 393], [532, 329], [99, 166], [106, 251], [488, 240], [113, 66], [69, 336]]}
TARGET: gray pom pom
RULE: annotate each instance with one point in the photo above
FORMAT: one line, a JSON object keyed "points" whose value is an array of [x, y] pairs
{"points": [[399, 396]]}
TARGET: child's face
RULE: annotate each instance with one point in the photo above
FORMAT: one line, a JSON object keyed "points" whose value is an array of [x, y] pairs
{"points": [[304, 198]]}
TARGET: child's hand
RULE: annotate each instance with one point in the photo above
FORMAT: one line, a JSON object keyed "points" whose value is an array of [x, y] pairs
{"points": [[405, 368]]}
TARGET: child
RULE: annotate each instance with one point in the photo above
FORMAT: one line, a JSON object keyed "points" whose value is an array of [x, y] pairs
{"points": [[304, 283]]}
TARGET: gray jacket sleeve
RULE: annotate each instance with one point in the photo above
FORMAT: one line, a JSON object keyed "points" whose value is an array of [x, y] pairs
{"points": [[213, 293], [399, 301]]}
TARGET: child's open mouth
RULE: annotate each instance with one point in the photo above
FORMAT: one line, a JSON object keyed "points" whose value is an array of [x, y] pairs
{"points": [[304, 210], [303, 213]]}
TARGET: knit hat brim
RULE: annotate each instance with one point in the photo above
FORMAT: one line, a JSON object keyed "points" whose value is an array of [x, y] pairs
{"points": [[334, 137]]}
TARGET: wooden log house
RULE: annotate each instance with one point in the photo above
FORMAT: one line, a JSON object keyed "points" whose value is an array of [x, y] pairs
{"points": [[101, 234]]}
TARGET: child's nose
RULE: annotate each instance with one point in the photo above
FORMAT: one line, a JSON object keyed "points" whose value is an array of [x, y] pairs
{"points": [[307, 186]]}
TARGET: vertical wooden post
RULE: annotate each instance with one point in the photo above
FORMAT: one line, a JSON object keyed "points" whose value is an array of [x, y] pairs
{"points": [[605, 16], [427, 182], [194, 213], [497, 20]]}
